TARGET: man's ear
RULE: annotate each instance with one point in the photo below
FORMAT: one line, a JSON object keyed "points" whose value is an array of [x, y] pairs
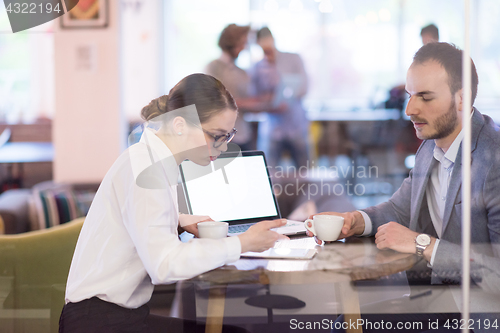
{"points": [[459, 99]]}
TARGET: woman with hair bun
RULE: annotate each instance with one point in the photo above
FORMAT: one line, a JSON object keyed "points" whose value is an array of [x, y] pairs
{"points": [[129, 240]]}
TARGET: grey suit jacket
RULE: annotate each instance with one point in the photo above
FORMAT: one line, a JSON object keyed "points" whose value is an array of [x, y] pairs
{"points": [[408, 207]]}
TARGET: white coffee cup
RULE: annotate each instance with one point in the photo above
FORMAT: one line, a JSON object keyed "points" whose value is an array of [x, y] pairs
{"points": [[325, 227], [212, 229]]}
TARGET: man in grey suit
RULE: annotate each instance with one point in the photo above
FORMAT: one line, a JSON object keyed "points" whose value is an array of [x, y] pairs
{"points": [[424, 215]]}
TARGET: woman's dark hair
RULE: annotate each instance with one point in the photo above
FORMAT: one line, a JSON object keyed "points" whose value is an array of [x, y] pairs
{"points": [[204, 91], [450, 57]]}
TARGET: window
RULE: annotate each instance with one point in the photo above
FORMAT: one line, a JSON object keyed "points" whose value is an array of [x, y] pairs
{"points": [[26, 72], [354, 51]]}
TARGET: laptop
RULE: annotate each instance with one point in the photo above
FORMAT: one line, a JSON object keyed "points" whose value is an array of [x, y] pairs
{"points": [[235, 188]]}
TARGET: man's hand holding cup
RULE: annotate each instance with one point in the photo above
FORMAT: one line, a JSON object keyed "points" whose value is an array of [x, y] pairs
{"points": [[332, 226]]}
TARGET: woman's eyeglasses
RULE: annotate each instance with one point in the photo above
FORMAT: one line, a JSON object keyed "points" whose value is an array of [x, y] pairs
{"points": [[219, 140]]}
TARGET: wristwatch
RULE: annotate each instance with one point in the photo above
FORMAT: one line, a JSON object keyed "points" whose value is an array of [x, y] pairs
{"points": [[422, 241]]}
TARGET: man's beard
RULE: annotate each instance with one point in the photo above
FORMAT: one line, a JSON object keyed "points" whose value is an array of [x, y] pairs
{"points": [[444, 125]]}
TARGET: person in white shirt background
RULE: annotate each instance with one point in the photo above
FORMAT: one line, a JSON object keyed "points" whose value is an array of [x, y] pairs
{"points": [[129, 241]]}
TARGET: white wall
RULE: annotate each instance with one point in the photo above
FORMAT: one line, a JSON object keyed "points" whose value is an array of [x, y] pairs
{"points": [[88, 131], [142, 54]]}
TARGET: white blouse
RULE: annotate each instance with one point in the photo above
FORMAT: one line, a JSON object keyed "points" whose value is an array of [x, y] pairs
{"points": [[129, 240]]}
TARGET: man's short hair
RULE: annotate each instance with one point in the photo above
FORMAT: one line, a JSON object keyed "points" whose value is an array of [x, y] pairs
{"points": [[263, 33], [450, 57], [231, 35], [432, 30]]}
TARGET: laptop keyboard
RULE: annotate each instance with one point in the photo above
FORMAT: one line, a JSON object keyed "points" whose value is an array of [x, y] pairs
{"points": [[238, 228]]}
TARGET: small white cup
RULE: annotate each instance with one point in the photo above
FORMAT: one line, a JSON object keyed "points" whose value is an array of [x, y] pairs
{"points": [[325, 227], [213, 229]]}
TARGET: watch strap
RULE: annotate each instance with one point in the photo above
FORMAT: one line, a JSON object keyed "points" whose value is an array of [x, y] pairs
{"points": [[420, 250]]}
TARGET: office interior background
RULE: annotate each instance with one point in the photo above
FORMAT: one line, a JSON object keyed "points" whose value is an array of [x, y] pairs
{"points": [[83, 89], [354, 52]]}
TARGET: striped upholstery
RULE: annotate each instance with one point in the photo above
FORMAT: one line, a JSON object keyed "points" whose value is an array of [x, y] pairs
{"points": [[55, 204], [58, 208]]}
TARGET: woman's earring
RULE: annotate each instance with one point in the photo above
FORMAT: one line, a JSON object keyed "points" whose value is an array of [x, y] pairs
{"points": [[180, 133]]}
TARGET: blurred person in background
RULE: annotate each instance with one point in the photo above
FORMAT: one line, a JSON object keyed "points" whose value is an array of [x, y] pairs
{"points": [[232, 41], [429, 34], [283, 77]]}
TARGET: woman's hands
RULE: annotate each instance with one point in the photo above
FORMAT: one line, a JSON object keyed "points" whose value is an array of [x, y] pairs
{"points": [[192, 227], [259, 237]]}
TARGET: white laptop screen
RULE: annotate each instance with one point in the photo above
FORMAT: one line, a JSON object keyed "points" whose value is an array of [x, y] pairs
{"points": [[236, 191]]}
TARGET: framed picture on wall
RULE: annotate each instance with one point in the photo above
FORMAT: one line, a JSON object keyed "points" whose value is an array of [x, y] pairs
{"points": [[84, 14]]}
